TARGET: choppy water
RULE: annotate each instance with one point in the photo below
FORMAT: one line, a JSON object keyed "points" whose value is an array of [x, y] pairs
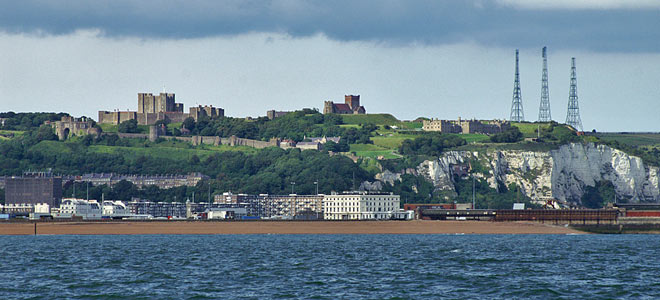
{"points": [[330, 266]]}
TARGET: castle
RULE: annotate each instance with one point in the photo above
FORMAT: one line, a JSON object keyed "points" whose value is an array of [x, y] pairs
{"points": [[351, 106], [69, 126], [466, 126], [152, 108]]}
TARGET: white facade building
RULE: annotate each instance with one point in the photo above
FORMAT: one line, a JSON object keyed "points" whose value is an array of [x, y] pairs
{"points": [[361, 206], [223, 213], [87, 209], [115, 209]]}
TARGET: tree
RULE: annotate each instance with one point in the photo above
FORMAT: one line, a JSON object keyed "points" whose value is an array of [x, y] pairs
{"points": [[45, 133], [189, 123], [129, 126], [511, 135], [432, 145]]}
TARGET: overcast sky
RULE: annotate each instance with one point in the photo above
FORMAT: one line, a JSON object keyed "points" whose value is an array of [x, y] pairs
{"points": [[440, 59]]}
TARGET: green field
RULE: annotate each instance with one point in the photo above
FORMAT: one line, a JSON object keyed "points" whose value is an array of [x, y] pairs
{"points": [[350, 126], [412, 125], [392, 142], [474, 138], [634, 139], [5, 134], [373, 151], [107, 127], [375, 119], [113, 128], [529, 130], [166, 149]]}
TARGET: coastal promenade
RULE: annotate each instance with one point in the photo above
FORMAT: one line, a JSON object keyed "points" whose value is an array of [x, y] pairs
{"points": [[282, 227]]}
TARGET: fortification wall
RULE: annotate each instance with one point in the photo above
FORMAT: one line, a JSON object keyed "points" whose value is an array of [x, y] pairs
{"points": [[116, 117], [132, 135]]}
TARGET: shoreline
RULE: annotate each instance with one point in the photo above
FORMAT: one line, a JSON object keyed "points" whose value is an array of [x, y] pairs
{"points": [[281, 227]]}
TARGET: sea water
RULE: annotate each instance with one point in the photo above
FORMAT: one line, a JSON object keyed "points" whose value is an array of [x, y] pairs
{"points": [[330, 266]]}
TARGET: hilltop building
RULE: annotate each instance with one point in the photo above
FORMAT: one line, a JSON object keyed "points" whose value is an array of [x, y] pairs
{"points": [[466, 126], [351, 106], [70, 126], [152, 108], [274, 114]]}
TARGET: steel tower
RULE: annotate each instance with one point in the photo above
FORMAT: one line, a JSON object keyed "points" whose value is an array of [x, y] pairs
{"points": [[544, 109], [573, 115], [517, 114]]}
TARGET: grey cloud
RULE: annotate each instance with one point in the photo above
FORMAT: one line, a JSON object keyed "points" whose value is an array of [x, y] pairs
{"points": [[390, 22]]}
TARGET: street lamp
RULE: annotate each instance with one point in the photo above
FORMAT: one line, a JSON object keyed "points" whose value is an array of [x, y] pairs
{"points": [[317, 186], [293, 183], [473, 188]]}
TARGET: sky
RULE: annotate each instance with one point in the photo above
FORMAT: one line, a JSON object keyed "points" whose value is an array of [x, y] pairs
{"points": [[436, 59]]}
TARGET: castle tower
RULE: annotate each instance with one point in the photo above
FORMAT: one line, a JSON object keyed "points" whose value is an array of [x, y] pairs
{"points": [[517, 114], [352, 101], [544, 109], [328, 107], [573, 115]]}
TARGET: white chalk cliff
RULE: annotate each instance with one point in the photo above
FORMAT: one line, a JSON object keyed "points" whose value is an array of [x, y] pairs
{"points": [[561, 174]]}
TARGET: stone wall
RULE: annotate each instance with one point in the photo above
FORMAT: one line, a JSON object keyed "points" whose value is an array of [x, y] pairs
{"points": [[116, 117], [69, 126]]}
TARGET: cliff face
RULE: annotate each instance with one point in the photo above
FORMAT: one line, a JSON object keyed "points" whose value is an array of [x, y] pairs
{"points": [[561, 174]]}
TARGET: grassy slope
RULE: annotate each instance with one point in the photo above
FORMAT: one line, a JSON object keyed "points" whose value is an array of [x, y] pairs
{"points": [[529, 129], [373, 151], [168, 149], [376, 119], [15, 133], [113, 128], [634, 139]]}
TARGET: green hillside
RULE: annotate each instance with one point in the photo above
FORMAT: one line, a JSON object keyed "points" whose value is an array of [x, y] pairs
{"points": [[374, 119], [633, 139]]}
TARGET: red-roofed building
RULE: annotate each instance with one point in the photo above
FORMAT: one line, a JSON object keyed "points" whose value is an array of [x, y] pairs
{"points": [[351, 106]]}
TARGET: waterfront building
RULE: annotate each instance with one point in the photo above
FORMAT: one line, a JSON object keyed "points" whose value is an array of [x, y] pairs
{"points": [[157, 209], [115, 210], [17, 208], [33, 188], [225, 213], [85, 209], [361, 206], [292, 206]]}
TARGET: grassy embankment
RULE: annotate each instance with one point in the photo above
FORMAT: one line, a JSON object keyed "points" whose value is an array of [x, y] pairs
{"points": [[111, 128], [390, 134], [8, 134], [136, 148], [634, 139]]}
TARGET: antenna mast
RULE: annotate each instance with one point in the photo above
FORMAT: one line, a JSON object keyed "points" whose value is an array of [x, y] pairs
{"points": [[544, 109], [517, 114], [573, 115]]}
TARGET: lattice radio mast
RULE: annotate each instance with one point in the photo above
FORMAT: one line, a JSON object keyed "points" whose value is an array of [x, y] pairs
{"points": [[517, 114], [573, 115], [544, 109]]}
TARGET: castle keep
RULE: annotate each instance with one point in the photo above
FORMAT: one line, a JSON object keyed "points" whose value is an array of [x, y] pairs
{"points": [[152, 108], [351, 106], [466, 126]]}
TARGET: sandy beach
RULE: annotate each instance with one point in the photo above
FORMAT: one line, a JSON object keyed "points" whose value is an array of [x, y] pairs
{"points": [[283, 227]]}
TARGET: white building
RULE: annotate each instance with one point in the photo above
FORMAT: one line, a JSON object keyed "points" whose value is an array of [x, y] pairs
{"points": [[223, 213], [115, 210], [361, 206], [87, 209]]}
